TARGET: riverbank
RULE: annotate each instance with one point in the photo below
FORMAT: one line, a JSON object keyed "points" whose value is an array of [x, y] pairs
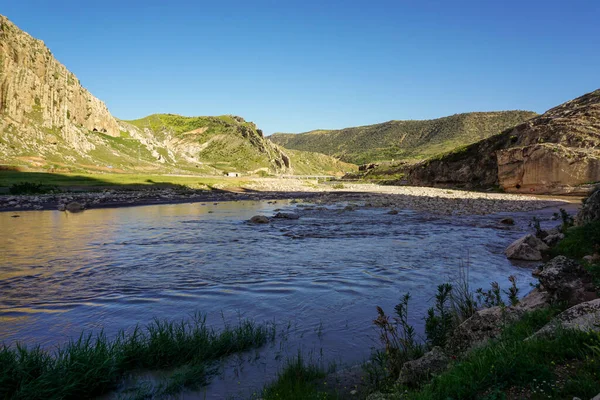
{"points": [[440, 201]]}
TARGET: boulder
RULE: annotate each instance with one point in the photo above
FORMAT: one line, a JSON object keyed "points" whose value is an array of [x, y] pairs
{"points": [[507, 221], [61, 207], [483, 325], [535, 300], [416, 371], [590, 211], [286, 215], [74, 207], [259, 219], [584, 317], [528, 248], [565, 280], [552, 240], [393, 212]]}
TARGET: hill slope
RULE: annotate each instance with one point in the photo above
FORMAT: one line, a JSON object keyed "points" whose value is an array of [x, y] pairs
{"points": [[557, 152], [48, 120], [403, 140]]}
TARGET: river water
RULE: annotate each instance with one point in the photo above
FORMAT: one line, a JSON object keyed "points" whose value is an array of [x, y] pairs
{"points": [[322, 274]]}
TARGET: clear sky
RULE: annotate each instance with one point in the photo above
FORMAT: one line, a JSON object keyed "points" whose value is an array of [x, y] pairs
{"points": [[293, 66]]}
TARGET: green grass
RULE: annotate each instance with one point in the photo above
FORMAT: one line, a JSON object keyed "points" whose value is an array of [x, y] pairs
{"points": [[579, 241], [298, 381], [84, 180], [511, 362], [93, 365]]}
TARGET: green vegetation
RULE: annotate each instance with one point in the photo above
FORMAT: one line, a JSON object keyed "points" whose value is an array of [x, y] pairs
{"points": [[300, 380], [540, 367], [31, 188], [84, 180], [93, 365], [579, 241], [403, 140]]}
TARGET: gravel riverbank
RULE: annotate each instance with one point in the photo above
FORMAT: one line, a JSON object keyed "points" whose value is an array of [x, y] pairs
{"points": [[442, 201]]}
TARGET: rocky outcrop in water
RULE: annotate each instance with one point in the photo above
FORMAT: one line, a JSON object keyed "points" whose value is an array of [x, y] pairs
{"points": [[528, 248]]}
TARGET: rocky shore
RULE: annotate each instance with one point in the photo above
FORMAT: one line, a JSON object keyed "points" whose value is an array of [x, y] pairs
{"points": [[441, 201]]}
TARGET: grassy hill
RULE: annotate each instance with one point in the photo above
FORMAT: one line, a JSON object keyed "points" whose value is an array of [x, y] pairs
{"points": [[403, 140]]}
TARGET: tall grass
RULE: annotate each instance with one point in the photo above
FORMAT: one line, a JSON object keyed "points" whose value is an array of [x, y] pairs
{"points": [[93, 365]]}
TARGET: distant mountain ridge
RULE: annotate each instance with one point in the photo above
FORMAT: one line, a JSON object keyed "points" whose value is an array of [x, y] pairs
{"points": [[49, 120], [410, 140]]}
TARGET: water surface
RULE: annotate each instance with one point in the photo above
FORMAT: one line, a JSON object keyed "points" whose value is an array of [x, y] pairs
{"points": [[324, 273]]}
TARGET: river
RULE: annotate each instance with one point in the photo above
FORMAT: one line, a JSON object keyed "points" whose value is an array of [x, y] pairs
{"points": [[322, 275]]}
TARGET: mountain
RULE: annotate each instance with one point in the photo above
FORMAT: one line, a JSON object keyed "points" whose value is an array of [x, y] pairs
{"points": [[557, 152], [49, 120], [403, 140]]}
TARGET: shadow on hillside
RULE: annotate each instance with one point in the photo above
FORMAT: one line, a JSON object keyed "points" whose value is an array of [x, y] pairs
{"points": [[97, 182]]}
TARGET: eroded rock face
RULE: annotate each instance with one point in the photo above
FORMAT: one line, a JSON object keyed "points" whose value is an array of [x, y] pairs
{"points": [[528, 248], [547, 168], [584, 317], [565, 280], [36, 88], [483, 325], [552, 153], [419, 370]]}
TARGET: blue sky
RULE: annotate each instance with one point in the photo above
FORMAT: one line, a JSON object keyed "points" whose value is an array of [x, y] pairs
{"points": [[293, 66]]}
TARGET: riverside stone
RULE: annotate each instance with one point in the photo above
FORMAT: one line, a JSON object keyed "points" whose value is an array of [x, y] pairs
{"points": [[528, 248]]}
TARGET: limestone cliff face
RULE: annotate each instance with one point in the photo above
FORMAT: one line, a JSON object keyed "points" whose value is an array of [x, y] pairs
{"points": [[36, 89], [555, 153]]}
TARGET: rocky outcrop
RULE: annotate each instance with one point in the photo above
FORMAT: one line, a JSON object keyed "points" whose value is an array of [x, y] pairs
{"points": [[528, 248], [557, 152], [590, 211], [547, 168], [36, 89], [485, 324], [584, 317], [421, 369], [565, 280]]}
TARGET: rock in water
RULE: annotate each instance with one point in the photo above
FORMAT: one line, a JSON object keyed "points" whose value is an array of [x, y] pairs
{"points": [[393, 212], [260, 219], [285, 215], [528, 248], [507, 221], [74, 207]]}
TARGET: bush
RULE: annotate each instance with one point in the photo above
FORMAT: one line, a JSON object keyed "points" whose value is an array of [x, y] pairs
{"points": [[32, 188]]}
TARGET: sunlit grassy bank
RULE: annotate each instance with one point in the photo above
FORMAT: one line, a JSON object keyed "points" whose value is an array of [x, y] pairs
{"points": [[93, 365]]}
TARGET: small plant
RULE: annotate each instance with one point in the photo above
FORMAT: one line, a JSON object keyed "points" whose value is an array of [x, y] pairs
{"points": [[439, 321], [566, 218], [535, 224], [513, 291], [338, 186], [491, 297], [398, 336]]}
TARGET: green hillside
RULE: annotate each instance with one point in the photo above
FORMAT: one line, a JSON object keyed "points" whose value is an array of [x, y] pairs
{"points": [[403, 140]]}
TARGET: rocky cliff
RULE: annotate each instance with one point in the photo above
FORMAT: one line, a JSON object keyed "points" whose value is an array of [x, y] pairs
{"points": [[48, 120], [555, 153], [35, 89]]}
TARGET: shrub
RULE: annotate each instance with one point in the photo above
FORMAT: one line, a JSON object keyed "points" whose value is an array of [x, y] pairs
{"points": [[31, 188]]}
